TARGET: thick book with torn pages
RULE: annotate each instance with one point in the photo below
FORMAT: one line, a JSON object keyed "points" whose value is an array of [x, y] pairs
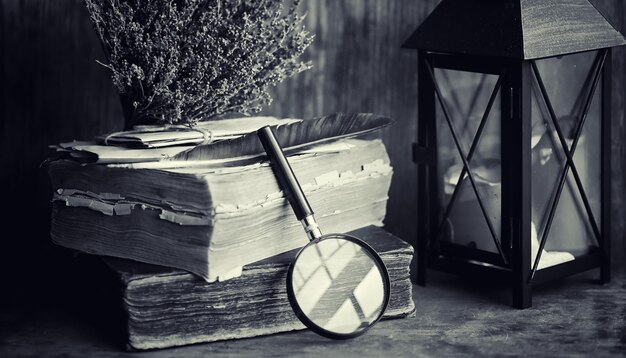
{"points": [[212, 217], [167, 307]]}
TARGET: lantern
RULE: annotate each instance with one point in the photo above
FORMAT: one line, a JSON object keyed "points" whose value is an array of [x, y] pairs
{"points": [[513, 147]]}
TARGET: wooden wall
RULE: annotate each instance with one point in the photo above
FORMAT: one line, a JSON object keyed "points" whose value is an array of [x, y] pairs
{"points": [[615, 11], [360, 67], [52, 90]]}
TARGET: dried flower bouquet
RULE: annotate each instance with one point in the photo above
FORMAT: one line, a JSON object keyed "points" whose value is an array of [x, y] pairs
{"points": [[183, 61]]}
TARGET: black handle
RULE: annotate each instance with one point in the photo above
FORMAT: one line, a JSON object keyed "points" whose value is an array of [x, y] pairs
{"points": [[284, 174]]}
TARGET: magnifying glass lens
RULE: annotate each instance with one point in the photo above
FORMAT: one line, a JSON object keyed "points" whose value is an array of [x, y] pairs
{"points": [[337, 286]]}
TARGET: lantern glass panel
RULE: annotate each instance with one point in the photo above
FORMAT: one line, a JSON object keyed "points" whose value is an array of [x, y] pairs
{"points": [[466, 96], [568, 81]]}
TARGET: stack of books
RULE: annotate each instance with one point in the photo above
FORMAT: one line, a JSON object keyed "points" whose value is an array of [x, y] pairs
{"points": [[208, 229]]}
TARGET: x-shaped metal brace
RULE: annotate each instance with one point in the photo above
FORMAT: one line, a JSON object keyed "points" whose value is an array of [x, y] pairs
{"points": [[569, 153], [466, 159]]}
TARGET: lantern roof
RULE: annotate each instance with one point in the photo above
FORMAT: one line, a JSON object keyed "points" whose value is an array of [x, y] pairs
{"points": [[523, 29]]}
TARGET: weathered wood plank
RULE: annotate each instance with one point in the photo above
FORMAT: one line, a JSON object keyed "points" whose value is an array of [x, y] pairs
{"points": [[360, 67], [615, 12], [51, 90], [555, 27], [455, 318]]}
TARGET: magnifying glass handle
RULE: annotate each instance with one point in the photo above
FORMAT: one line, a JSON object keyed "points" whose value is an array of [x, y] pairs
{"points": [[288, 182]]}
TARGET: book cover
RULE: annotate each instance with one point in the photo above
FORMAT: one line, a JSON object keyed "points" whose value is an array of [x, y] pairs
{"points": [[167, 307], [213, 219]]}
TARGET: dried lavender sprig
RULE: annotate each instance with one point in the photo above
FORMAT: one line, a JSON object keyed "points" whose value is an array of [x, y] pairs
{"points": [[183, 61]]}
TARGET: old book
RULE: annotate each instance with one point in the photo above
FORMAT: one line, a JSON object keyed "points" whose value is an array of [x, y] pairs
{"points": [[211, 217], [221, 139], [167, 307], [151, 143], [157, 136]]}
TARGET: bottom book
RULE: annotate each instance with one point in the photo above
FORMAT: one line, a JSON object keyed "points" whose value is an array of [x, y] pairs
{"points": [[168, 307]]}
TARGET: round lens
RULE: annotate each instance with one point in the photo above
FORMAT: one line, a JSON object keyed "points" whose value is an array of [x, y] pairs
{"points": [[338, 286]]}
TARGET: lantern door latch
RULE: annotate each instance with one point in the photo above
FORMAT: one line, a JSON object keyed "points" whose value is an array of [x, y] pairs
{"points": [[423, 155]]}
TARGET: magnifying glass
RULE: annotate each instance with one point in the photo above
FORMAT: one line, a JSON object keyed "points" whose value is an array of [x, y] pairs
{"points": [[337, 285]]}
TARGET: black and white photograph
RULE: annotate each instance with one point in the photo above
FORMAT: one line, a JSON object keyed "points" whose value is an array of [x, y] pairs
{"points": [[313, 178]]}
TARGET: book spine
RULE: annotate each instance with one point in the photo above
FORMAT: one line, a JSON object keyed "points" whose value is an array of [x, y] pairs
{"points": [[165, 312]]}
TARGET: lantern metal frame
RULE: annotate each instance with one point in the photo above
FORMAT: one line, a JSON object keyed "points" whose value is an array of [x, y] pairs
{"points": [[512, 262]]}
